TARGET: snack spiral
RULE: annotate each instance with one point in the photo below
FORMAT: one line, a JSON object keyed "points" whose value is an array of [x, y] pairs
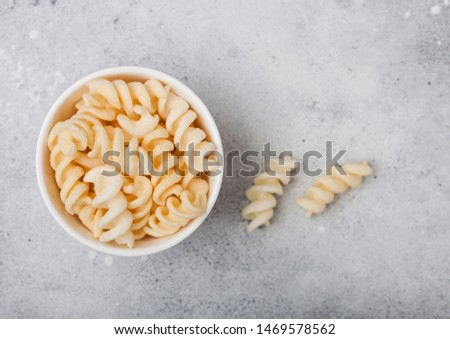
{"points": [[326, 187], [153, 194], [138, 191], [177, 212], [73, 192], [178, 120], [109, 196], [261, 194]]}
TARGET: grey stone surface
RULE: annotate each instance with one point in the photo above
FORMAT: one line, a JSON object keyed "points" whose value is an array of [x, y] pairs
{"points": [[373, 76]]}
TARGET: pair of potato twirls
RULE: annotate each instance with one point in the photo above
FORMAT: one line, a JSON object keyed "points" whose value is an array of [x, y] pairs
{"points": [[261, 195]]}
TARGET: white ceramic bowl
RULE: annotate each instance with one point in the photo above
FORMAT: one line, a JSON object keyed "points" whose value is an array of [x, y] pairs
{"points": [[63, 108]]}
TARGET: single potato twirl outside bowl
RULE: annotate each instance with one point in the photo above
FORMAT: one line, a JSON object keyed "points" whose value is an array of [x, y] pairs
{"points": [[63, 108]]}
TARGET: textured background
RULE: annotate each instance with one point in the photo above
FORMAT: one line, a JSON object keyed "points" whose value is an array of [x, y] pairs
{"points": [[373, 76]]}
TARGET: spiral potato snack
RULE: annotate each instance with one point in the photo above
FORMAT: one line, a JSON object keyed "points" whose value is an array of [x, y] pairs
{"points": [[77, 133], [179, 119], [261, 194], [151, 192], [73, 191], [158, 144], [70, 137], [118, 219], [141, 127], [326, 187], [105, 139], [90, 216], [177, 212], [166, 186], [138, 191]]}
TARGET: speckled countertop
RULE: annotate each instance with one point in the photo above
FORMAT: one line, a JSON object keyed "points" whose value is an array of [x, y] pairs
{"points": [[373, 76]]}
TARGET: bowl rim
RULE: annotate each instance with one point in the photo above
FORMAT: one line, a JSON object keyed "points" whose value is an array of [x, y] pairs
{"points": [[131, 71]]}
